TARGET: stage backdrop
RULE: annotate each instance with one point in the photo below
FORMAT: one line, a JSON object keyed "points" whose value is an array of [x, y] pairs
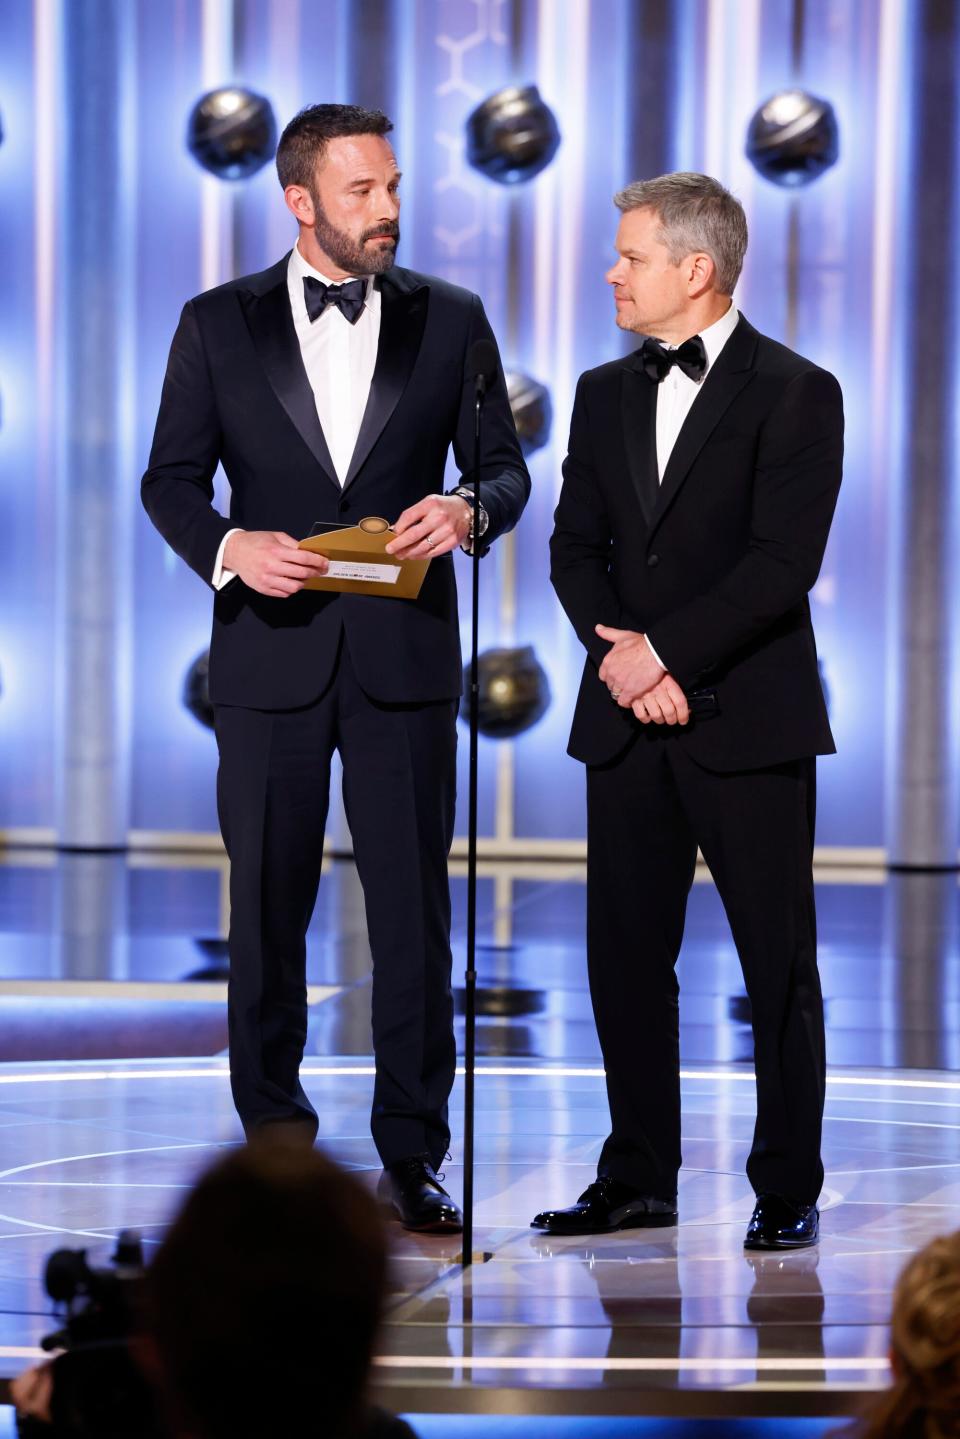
{"points": [[108, 224]]}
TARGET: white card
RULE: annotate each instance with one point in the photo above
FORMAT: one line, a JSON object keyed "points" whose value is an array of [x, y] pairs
{"points": [[357, 570]]}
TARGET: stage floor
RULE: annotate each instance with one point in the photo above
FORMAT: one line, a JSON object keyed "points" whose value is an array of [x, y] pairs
{"points": [[114, 1095], [679, 1321]]}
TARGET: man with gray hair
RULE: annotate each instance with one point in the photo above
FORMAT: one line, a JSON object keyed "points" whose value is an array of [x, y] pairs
{"points": [[698, 491]]}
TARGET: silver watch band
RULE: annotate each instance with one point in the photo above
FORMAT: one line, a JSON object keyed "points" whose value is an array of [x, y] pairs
{"points": [[467, 494]]}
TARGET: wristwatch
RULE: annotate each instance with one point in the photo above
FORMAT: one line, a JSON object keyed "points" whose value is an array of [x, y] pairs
{"points": [[467, 494]]}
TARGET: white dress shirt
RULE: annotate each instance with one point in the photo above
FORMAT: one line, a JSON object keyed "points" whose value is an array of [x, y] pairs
{"points": [[676, 393], [339, 359]]}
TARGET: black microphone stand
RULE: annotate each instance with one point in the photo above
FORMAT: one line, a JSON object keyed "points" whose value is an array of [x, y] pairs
{"points": [[470, 985]]}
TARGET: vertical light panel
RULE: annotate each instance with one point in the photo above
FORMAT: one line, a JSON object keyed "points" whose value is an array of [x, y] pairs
{"points": [[26, 416], [572, 49], [95, 303], [408, 137], [284, 30], [174, 757], [216, 226], [687, 17], [892, 127], [924, 758], [599, 92], [46, 117], [717, 86]]}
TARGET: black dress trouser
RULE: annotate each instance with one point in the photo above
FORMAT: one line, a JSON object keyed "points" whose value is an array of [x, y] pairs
{"points": [[399, 791], [647, 812]]}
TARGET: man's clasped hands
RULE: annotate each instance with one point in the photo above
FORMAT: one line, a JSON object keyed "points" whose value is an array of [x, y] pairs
{"points": [[637, 681]]}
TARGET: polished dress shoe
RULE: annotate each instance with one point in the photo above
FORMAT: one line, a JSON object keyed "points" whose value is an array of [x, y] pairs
{"points": [[780, 1223], [411, 1189], [606, 1205]]}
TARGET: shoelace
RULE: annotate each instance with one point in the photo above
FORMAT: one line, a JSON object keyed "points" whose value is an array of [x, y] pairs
{"points": [[415, 1165], [597, 1190]]}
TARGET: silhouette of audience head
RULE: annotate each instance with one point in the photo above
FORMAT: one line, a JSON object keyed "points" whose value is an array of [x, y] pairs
{"points": [[924, 1400], [264, 1298]]}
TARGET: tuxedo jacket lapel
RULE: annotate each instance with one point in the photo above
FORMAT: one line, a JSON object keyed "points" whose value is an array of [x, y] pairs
{"points": [[403, 313], [727, 377], [275, 340], [638, 410]]}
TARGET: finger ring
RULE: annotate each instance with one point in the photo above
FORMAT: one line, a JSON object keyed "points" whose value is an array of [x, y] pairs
{"points": [[430, 542], [615, 694]]}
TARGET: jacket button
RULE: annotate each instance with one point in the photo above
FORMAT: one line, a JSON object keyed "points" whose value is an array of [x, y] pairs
{"points": [[653, 561]]}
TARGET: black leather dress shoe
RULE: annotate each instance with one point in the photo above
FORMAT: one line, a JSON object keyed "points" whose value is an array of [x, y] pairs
{"points": [[780, 1223], [411, 1189], [606, 1205]]}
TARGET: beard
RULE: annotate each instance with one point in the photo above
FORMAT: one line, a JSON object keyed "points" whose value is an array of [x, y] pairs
{"points": [[353, 254]]}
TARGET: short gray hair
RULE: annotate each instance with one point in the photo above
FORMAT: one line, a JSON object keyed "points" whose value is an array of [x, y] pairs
{"points": [[695, 213]]}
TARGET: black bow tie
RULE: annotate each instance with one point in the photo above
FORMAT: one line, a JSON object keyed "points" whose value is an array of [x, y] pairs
{"points": [[690, 357], [349, 298]]}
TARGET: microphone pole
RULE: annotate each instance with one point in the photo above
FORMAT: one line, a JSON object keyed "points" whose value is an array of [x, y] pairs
{"points": [[482, 365]]}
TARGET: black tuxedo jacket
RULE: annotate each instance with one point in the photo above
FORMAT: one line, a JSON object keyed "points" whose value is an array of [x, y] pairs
{"points": [[236, 391], [716, 569]]}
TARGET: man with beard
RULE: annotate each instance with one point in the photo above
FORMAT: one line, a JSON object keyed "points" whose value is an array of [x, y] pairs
{"points": [[330, 387]]}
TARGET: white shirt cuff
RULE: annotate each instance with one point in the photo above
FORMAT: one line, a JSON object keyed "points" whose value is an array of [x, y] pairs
{"points": [[654, 653], [221, 576]]}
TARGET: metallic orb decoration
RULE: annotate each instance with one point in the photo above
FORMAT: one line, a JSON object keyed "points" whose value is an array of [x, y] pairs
{"points": [[514, 691], [532, 410], [232, 132], [793, 138], [196, 690], [513, 135]]}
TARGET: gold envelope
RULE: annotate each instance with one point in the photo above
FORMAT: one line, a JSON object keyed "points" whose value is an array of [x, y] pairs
{"points": [[358, 554]]}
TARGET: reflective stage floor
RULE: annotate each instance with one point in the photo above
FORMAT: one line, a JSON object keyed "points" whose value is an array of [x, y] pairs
{"points": [[114, 1095]]}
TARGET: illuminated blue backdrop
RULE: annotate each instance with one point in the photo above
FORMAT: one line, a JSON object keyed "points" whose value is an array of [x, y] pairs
{"points": [[638, 87]]}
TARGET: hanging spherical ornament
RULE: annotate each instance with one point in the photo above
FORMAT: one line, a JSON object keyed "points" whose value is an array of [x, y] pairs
{"points": [[196, 690], [232, 132], [514, 691], [512, 135], [793, 138], [532, 410]]}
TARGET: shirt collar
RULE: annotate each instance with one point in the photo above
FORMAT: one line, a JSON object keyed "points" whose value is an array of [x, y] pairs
{"points": [[715, 336], [301, 268]]}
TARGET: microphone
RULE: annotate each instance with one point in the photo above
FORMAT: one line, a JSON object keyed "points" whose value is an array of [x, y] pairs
{"points": [[482, 365]]}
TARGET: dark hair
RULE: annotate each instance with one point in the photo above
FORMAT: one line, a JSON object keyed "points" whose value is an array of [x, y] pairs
{"points": [[264, 1297], [306, 137]]}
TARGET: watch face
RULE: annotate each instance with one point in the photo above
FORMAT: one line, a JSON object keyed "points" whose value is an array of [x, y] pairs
{"points": [[468, 495]]}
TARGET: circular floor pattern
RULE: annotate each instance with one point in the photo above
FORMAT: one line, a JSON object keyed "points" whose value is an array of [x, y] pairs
{"points": [[659, 1318]]}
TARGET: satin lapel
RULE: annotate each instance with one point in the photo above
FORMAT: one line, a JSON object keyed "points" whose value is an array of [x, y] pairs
{"points": [[403, 314], [638, 412], [275, 340], [732, 371]]}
